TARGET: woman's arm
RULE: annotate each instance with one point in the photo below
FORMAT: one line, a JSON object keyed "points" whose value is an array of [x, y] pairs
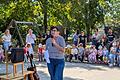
{"points": [[60, 46]]}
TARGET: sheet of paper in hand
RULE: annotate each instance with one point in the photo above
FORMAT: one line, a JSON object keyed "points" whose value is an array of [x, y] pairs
{"points": [[46, 56]]}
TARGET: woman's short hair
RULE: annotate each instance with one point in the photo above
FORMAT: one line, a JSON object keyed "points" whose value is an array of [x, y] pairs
{"points": [[54, 27]]}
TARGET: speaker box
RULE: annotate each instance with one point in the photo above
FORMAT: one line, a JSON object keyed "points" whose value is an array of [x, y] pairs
{"points": [[17, 55]]}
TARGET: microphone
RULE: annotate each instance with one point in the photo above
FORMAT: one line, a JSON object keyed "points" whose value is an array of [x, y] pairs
{"points": [[52, 45], [52, 37]]}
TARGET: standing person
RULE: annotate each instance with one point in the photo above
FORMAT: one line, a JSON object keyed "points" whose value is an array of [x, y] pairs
{"points": [[47, 36], [25, 48], [95, 39], [30, 38], [110, 38], [40, 52], [6, 39], [55, 46], [75, 38], [83, 39]]}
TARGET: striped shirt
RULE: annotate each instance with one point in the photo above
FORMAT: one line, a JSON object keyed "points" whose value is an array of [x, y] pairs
{"points": [[54, 52]]}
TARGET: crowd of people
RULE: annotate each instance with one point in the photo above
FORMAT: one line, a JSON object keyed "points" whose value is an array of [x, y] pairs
{"points": [[101, 49], [104, 49], [92, 55], [7, 45]]}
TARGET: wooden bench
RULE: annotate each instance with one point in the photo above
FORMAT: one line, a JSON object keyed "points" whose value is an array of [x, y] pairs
{"points": [[19, 76]]}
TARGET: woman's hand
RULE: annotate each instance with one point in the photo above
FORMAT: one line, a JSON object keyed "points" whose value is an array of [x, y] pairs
{"points": [[53, 40], [57, 45]]}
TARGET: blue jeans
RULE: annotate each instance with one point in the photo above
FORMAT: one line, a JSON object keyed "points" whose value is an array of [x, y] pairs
{"points": [[118, 59], [55, 68], [6, 45], [33, 45], [106, 55], [25, 58], [75, 43], [112, 58]]}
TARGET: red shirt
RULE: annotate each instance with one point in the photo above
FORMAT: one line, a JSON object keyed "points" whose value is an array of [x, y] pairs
{"points": [[40, 50], [25, 50]]}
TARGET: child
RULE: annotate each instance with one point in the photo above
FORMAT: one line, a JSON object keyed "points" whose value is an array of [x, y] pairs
{"points": [[1, 54], [81, 52], [74, 52], [112, 55], [118, 55], [86, 52], [40, 52], [67, 52], [92, 55], [105, 54], [30, 50], [99, 55], [25, 53]]}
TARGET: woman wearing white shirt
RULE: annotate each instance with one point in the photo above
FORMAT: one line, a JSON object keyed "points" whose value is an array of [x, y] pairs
{"points": [[30, 38], [6, 39]]}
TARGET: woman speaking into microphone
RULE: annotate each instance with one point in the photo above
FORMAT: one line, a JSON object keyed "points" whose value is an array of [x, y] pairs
{"points": [[55, 46]]}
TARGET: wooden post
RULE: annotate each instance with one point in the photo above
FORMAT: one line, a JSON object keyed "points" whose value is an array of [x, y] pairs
{"points": [[21, 39], [6, 60]]}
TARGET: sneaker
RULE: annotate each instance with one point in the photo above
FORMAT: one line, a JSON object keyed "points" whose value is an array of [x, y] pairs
{"points": [[110, 65], [114, 64]]}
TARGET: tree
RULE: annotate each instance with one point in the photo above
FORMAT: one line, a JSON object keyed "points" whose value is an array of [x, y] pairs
{"points": [[72, 14]]}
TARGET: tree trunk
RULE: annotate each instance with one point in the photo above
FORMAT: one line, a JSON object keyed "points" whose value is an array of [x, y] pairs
{"points": [[45, 15]]}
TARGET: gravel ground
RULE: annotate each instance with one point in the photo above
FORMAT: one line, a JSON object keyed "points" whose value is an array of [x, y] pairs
{"points": [[75, 71]]}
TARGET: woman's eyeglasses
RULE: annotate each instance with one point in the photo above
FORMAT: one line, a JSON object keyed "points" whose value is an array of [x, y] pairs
{"points": [[54, 30]]}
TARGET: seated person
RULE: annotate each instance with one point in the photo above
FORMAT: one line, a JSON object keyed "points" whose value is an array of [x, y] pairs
{"points": [[118, 55], [67, 51], [99, 55], [81, 52], [92, 55], [112, 55], [105, 54], [74, 52]]}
